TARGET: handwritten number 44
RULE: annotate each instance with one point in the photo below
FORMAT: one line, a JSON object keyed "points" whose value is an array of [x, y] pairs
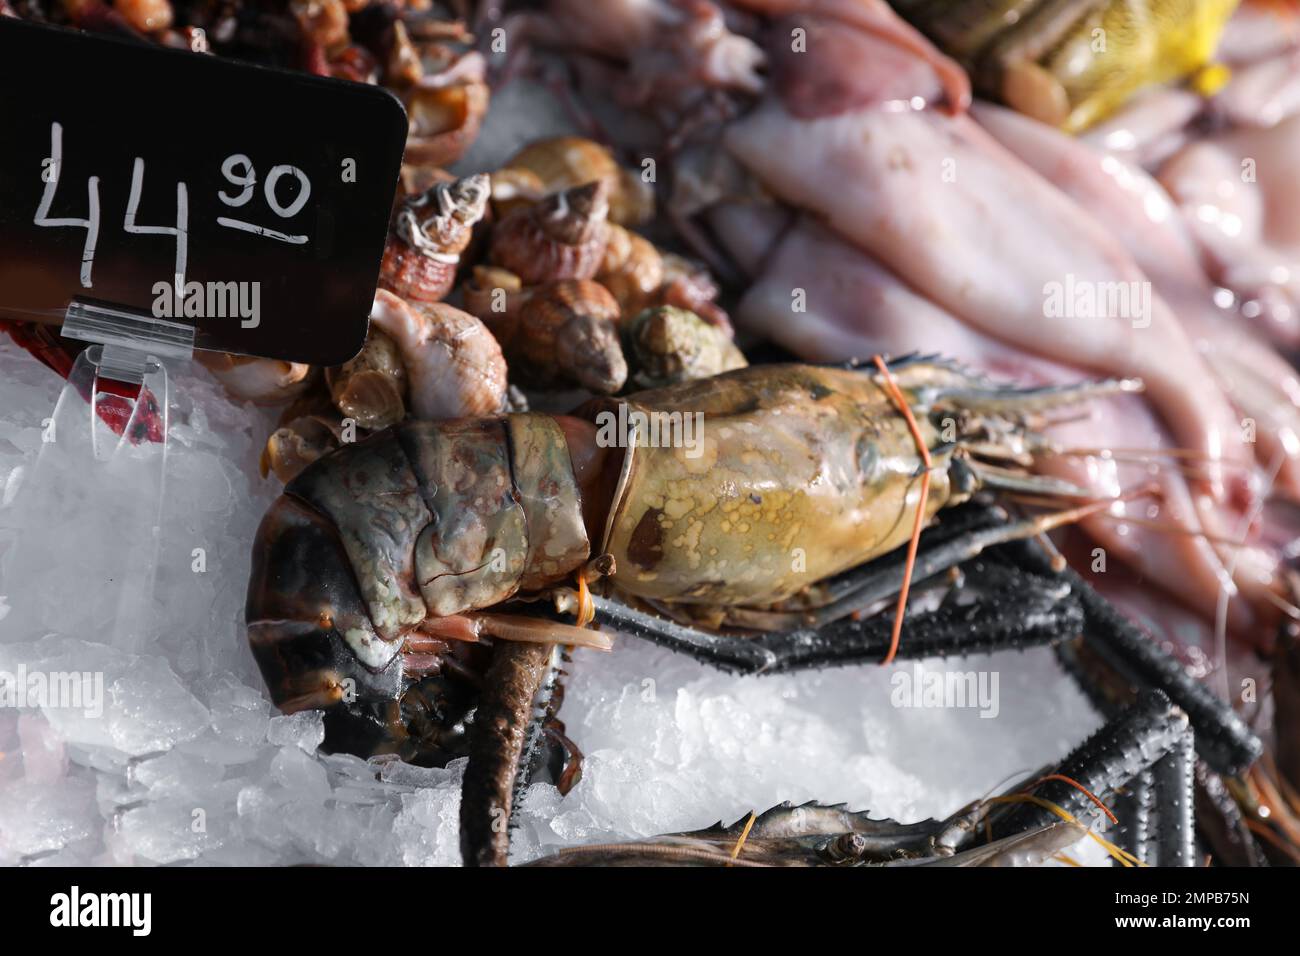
{"points": [[90, 223], [52, 168]]}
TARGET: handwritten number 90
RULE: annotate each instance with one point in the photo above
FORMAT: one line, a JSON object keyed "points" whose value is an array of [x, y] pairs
{"points": [[248, 180], [238, 170]]}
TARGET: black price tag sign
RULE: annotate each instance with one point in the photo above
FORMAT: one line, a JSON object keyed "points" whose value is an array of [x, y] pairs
{"points": [[250, 203]]}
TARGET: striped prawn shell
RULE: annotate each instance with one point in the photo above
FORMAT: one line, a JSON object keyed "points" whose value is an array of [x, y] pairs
{"points": [[425, 519]]}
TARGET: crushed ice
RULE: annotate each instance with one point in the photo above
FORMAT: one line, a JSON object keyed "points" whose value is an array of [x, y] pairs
{"points": [[175, 754]]}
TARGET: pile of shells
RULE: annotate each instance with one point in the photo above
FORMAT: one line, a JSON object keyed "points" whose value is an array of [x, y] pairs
{"points": [[532, 278]]}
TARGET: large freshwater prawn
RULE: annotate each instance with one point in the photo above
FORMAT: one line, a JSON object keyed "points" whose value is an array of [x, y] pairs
{"points": [[397, 583]]}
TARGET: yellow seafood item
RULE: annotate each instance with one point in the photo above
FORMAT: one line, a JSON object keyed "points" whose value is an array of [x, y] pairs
{"points": [[1144, 43], [1073, 62]]}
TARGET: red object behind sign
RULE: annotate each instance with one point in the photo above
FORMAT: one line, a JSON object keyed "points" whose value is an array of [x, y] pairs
{"points": [[119, 399]]}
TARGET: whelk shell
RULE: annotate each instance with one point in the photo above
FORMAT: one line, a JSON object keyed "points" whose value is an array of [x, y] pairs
{"points": [[562, 237], [258, 380], [563, 162], [429, 232], [665, 345], [632, 269], [370, 388], [567, 333], [455, 366]]}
